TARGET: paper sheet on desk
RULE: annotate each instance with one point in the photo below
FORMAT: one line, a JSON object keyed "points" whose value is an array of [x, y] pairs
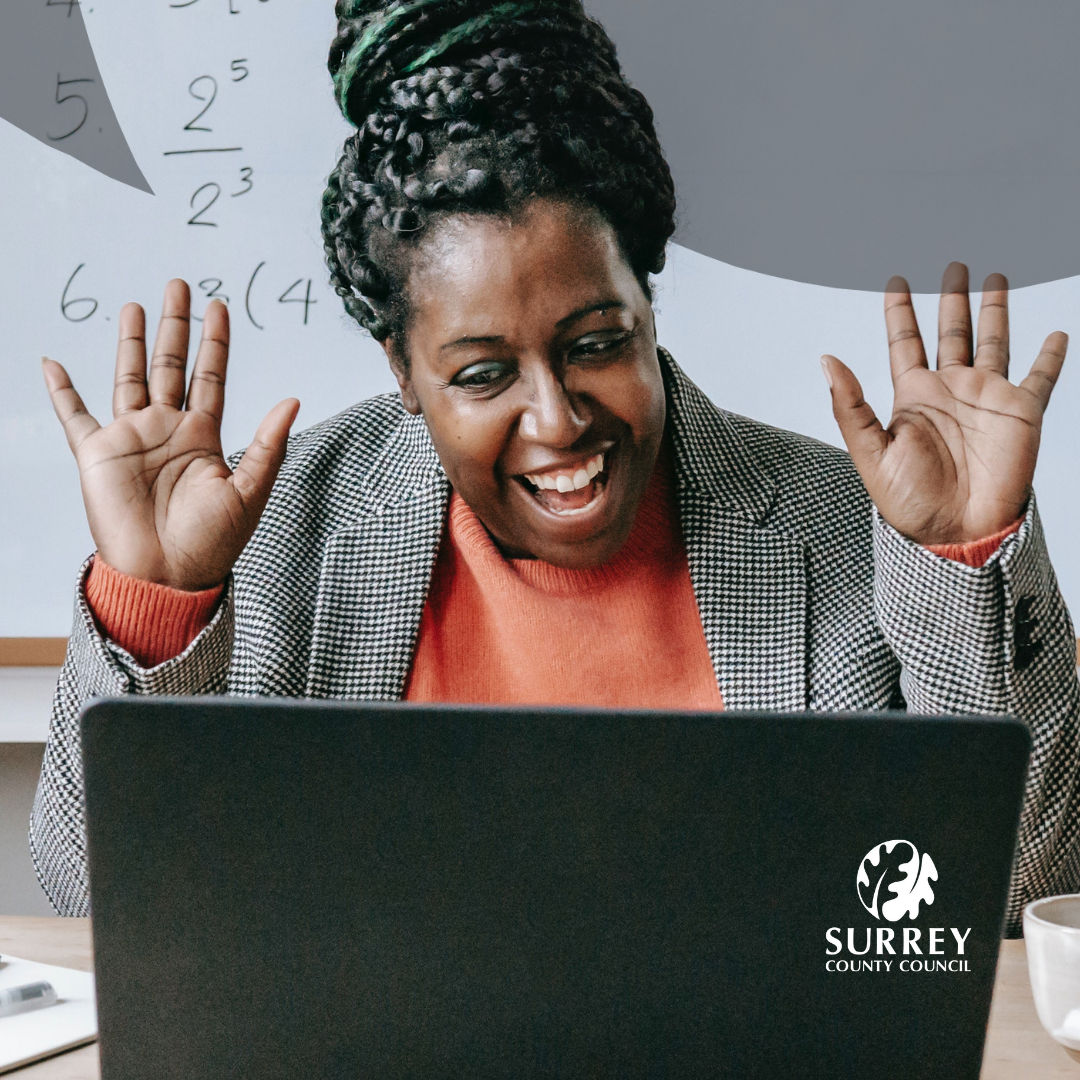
{"points": [[71, 1022]]}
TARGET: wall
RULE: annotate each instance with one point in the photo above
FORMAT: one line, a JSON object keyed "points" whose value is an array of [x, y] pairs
{"points": [[20, 764]]}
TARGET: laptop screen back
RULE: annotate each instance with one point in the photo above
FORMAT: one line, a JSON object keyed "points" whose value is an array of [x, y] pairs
{"points": [[341, 890]]}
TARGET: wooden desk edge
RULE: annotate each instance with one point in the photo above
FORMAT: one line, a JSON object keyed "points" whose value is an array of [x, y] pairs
{"points": [[49, 651], [32, 651]]}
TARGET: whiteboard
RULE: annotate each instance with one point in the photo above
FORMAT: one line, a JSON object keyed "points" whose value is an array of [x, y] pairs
{"points": [[243, 223]]}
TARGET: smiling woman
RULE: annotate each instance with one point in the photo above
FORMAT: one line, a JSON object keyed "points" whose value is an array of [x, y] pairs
{"points": [[546, 406], [549, 511]]}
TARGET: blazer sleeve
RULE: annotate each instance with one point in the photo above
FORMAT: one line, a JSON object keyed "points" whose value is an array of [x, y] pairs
{"points": [[96, 667], [996, 640]]}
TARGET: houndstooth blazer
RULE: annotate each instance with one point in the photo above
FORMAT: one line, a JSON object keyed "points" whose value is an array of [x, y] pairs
{"points": [[808, 600]]}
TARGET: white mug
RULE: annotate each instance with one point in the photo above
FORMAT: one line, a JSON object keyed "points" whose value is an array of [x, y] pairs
{"points": [[1052, 934]]}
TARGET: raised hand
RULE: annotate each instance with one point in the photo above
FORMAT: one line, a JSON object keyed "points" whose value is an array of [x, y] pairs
{"points": [[956, 462], [162, 503]]}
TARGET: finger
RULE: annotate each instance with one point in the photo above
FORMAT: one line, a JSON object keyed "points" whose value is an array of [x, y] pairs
{"points": [[992, 349], [905, 342], [254, 476], [70, 410], [171, 347], [954, 318], [1047, 367], [207, 390], [863, 434], [129, 386]]}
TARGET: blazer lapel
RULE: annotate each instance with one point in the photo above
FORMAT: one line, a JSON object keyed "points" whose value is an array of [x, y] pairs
{"points": [[376, 572], [749, 579]]}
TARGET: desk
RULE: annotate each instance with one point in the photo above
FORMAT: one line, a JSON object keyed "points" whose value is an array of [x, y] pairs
{"points": [[1017, 1048], [65, 942]]}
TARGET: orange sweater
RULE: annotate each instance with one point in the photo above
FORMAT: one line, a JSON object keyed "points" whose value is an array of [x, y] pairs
{"points": [[496, 630], [519, 631]]}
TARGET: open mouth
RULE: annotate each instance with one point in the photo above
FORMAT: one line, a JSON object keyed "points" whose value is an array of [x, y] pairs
{"points": [[571, 489]]}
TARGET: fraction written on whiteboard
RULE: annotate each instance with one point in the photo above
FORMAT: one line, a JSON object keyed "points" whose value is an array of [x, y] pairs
{"points": [[204, 89]]}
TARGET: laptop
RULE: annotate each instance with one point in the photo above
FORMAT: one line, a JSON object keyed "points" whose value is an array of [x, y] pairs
{"points": [[328, 890]]}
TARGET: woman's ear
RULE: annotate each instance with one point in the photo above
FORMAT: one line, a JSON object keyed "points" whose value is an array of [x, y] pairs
{"points": [[400, 368]]}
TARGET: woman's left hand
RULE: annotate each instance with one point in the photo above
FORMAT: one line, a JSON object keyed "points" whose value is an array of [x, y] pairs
{"points": [[956, 462]]}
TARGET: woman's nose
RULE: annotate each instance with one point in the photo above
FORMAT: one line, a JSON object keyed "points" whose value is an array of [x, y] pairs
{"points": [[552, 416]]}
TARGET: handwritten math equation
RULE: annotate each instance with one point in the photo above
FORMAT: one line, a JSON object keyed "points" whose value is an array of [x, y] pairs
{"points": [[256, 293], [235, 178], [235, 6], [221, 171], [70, 115]]}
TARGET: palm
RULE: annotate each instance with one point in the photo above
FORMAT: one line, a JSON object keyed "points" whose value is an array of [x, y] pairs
{"points": [[956, 461], [162, 503], [155, 485]]}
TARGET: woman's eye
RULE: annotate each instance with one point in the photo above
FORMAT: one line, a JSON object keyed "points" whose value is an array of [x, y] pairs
{"points": [[598, 347], [481, 376]]}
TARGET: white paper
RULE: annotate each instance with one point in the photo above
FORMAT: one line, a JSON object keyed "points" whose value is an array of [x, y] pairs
{"points": [[71, 1022]]}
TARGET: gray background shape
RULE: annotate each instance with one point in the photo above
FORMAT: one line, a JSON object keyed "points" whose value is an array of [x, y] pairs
{"points": [[43, 44], [839, 142]]}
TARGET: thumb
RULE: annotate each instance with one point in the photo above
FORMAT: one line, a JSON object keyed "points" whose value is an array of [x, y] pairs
{"points": [[863, 434], [257, 470]]}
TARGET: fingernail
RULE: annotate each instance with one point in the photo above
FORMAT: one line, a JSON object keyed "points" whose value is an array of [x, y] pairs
{"points": [[825, 368]]}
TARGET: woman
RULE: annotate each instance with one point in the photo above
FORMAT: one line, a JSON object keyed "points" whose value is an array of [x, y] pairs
{"points": [[551, 511]]}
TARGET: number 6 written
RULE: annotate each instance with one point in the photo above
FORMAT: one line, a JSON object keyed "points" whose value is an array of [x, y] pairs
{"points": [[66, 305]]}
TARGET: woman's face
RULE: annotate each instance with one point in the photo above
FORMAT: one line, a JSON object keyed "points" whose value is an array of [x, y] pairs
{"points": [[532, 358]]}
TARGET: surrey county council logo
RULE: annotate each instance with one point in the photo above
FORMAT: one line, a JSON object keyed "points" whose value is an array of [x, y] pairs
{"points": [[893, 881]]}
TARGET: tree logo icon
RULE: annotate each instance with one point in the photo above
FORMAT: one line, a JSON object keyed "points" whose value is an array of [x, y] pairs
{"points": [[893, 880]]}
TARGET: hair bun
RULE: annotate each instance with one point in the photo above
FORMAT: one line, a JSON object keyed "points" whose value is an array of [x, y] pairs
{"points": [[479, 106], [379, 42]]}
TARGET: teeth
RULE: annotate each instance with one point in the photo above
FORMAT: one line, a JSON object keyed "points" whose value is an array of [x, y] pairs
{"points": [[564, 482]]}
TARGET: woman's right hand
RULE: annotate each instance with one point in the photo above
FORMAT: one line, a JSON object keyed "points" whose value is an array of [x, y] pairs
{"points": [[162, 503]]}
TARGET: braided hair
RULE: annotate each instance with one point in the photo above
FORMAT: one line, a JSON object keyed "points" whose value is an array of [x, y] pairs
{"points": [[477, 106]]}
